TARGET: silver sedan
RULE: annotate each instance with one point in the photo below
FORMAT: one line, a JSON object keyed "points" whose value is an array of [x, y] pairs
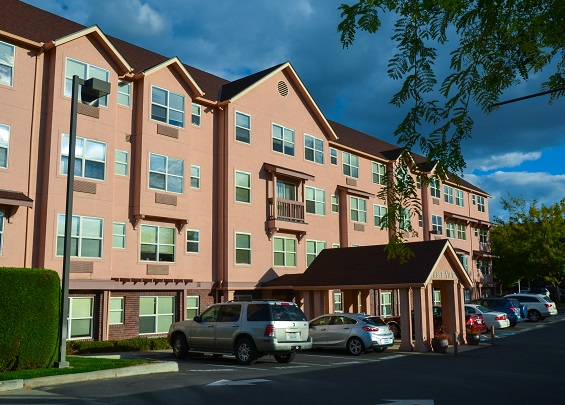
{"points": [[353, 332], [492, 318]]}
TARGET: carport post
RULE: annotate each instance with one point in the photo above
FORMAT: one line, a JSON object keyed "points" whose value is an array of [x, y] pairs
{"points": [[455, 343], [492, 335]]}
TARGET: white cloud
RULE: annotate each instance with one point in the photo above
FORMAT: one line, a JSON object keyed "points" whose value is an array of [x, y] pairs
{"points": [[493, 162]]}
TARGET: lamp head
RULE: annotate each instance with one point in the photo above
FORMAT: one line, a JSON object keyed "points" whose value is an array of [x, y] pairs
{"points": [[93, 89]]}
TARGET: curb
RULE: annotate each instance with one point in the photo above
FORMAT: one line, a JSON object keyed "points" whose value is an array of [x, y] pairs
{"points": [[161, 367]]}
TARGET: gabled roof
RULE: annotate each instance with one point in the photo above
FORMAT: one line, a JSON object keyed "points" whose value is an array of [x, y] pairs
{"points": [[233, 89], [176, 63], [370, 266]]}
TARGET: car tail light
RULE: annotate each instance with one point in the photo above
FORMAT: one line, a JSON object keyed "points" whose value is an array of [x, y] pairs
{"points": [[548, 305], [270, 330], [371, 328], [513, 309], [500, 318], [389, 327]]}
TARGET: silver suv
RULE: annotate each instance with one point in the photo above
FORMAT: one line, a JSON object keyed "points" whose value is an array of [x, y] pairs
{"points": [[249, 329], [539, 306]]}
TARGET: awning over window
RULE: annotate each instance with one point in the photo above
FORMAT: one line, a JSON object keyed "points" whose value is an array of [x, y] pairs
{"points": [[486, 255], [13, 200], [278, 170], [355, 192]]}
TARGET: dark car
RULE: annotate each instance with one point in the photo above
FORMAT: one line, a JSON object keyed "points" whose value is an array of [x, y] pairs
{"points": [[509, 306]]}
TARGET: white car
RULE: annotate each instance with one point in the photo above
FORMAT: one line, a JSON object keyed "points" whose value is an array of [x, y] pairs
{"points": [[539, 306], [492, 318]]}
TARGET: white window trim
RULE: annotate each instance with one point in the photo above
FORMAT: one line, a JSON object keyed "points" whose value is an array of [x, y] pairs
{"points": [[195, 177], [103, 101], [380, 209], [11, 66], [239, 126], [351, 209], [174, 244], [82, 157], [123, 93], [435, 188], [381, 177], [459, 198], [448, 194], [338, 300], [156, 314], [350, 165], [461, 231], [70, 320], [199, 115], [336, 159], [314, 150], [2, 227], [336, 197], [283, 141], [197, 307], [481, 203], [317, 243], [167, 108], [236, 187], [165, 173], [438, 226], [121, 310], [285, 252], [316, 202], [126, 164], [9, 129], [119, 235], [80, 237], [250, 249], [196, 242], [450, 226], [385, 303]]}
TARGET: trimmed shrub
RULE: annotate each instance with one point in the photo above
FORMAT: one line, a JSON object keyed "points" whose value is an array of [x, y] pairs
{"points": [[29, 318], [113, 346]]}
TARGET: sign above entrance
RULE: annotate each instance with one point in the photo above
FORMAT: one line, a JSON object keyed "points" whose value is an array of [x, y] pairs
{"points": [[444, 274]]}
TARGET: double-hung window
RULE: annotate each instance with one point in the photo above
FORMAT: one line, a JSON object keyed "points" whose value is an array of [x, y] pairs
{"points": [[192, 241], [156, 314], [7, 54], [313, 249], [335, 203], [350, 164], [286, 191], [283, 140], [338, 302], [242, 248], [192, 306], [116, 311], [124, 93], [481, 203], [379, 214], [450, 229], [4, 145], [242, 187], [194, 176], [459, 198], [386, 303], [1, 230], [84, 71], [404, 222], [379, 171], [79, 324], [90, 158], [483, 236], [333, 156], [461, 231], [86, 236], [315, 201], [435, 191], [167, 107], [358, 209], [166, 173], [437, 224], [119, 235], [196, 115], [242, 127], [157, 244], [464, 262], [121, 164], [448, 194], [313, 149], [284, 251]]}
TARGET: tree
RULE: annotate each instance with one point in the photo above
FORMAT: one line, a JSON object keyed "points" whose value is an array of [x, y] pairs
{"points": [[530, 244], [498, 43]]}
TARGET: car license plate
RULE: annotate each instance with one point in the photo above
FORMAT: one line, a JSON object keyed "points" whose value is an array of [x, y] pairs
{"points": [[386, 341], [292, 335]]}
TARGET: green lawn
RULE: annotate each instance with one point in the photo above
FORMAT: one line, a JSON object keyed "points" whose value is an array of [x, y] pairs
{"points": [[78, 365]]}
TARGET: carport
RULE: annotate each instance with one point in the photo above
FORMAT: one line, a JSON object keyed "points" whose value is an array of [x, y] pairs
{"points": [[358, 270]]}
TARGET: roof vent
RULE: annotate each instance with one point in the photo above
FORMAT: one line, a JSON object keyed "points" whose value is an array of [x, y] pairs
{"points": [[283, 88]]}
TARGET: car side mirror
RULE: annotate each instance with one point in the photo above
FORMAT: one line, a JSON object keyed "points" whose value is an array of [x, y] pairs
{"points": [[197, 319]]}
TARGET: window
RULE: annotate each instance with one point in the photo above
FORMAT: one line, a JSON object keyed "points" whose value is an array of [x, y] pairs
{"points": [[86, 236], [358, 209], [419, 182], [481, 203], [4, 144], [464, 262], [116, 311], [450, 229], [286, 191], [459, 198], [119, 235], [386, 303], [338, 302], [157, 243], [194, 176], [166, 173], [242, 187], [437, 297], [313, 249], [379, 214], [434, 188], [167, 107], [196, 114], [404, 222], [333, 156], [483, 266], [476, 232], [335, 245], [315, 201], [313, 149], [242, 248], [448, 194], [1, 231], [283, 140], [461, 232], [284, 251], [420, 221], [483, 236], [90, 158], [437, 225], [192, 241], [121, 167], [192, 306], [156, 314], [7, 56], [350, 164], [242, 127], [474, 198], [80, 317], [84, 71], [230, 313], [335, 203], [124, 93], [378, 172]]}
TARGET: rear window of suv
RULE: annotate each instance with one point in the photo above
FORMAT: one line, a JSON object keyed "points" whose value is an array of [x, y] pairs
{"points": [[274, 312]]}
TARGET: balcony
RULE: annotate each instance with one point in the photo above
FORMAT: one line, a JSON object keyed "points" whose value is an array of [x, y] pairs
{"points": [[287, 216]]}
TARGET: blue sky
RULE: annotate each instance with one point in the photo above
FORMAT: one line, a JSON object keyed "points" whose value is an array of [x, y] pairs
{"points": [[517, 149]]}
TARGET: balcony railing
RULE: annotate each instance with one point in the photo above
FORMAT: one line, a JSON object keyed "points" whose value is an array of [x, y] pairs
{"points": [[287, 210]]}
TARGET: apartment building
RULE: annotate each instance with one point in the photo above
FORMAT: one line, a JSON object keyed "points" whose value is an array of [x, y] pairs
{"points": [[189, 188]]}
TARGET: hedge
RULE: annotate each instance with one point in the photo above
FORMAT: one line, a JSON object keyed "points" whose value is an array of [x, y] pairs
{"points": [[112, 346], [29, 318]]}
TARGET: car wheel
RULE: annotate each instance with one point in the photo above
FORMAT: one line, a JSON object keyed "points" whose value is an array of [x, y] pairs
{"points": [[245, 352], [355, 346], [534, 315], [285, 358], [513, 324], [380, 349], [180, 346], [395, 329]]}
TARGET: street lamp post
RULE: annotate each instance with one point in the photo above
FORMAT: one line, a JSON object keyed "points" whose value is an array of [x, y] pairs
{"points": [[92, 90]]}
